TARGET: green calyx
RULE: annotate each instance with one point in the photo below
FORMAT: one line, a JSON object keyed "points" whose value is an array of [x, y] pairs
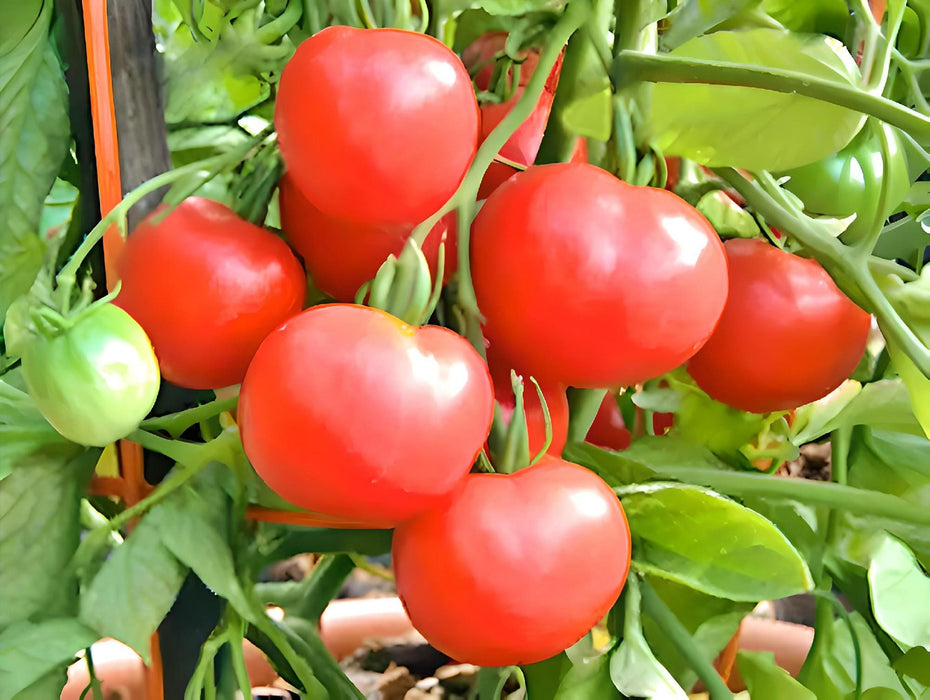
{"points": [[403, 285]]}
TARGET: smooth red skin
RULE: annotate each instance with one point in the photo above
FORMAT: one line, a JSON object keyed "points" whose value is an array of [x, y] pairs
{"points": [[609, 429], [376, 126], [788, 335], [589, 282], [342, 256], [349, 412], [523, 145], [207, 287], [517, 567]]}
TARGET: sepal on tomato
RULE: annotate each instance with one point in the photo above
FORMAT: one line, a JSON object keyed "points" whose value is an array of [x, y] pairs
{"points": [[403, 286]]}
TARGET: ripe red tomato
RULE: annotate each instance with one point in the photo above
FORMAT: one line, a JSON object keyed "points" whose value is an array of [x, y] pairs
{"points": [[207, 287], [609, 429], [586, 281], [342, 256], [523, 145], [787, 337], [349, 412], [517, 567], [377, 126]]}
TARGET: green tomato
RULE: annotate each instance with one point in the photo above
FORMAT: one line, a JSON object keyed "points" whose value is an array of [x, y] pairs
{"points": [[850, 181], [96, 379]]}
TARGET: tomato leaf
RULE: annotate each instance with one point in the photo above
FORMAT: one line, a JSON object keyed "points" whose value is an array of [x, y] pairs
{"points": [[694, 17], [823, 16], [895, 582], [830, 669], [134, 589], [892, 463], [724, 125], [711, 621], [194, 526], [590, 115], [39, 532], [518, 7], [765, 680], [916, 664], [590, 678], [30, 650], [696, 537], [726, 216], [34, 136]]}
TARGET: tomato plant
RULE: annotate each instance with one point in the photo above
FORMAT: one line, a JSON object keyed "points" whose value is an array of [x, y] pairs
{"points": [[362, 450], [787, 336], [394, 150], [539, 141], [207, 287], [560, 256], [473, 604], [341, 256]]}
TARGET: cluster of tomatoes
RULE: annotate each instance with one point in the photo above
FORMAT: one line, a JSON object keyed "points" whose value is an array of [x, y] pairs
{"points": [[582, 280]]}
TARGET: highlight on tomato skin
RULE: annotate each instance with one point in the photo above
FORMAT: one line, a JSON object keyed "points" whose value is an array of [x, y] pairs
{"points": [[370, 150], [341, 256], [207, 287], [561, 257], [788, 336], [531, 561], [349, 412]]}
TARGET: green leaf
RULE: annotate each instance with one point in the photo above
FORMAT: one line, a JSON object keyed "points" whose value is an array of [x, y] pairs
{"points": [[822, 16], [134, 589], [703, 540], [711, 621], [799, 522], [588, 679], [892, 463], [34, 137], [727, 217], [830, 669], [543, 678], [643, 460], [723, 125], [39, 533], [766, 681], [918, 386], [59, 205], [24, 432], [916, 664], [491, 682], [30, 650], [195, 526], [590, 115], [634, 669], [897, 583], [694, 17], [884, 405]]}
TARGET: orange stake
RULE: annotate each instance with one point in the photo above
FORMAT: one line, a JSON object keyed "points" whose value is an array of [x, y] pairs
{"points": [[106, 146]]}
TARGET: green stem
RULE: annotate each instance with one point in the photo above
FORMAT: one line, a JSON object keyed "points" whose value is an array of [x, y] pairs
{"points": [[312, 686], [655, 607], [573, 17], [236, 654], [177, 423], [817, 493], [583, 407], [94, 684], [633, 66], [280, 25]]}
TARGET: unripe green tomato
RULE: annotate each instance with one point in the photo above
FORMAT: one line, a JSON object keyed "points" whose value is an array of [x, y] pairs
{"points": [[850, 181], [96, 380]]}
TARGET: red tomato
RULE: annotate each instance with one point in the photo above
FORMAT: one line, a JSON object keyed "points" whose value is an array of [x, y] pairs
{"points": [[787, 337], [523, 145], [342, 256], [517, 567], [349, 412], [586, 281], [580, 154], [377, 126], [609, 430], [207, 287]]}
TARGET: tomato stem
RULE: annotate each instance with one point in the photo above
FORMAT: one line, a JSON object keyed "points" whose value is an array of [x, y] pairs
{"points": [[583, 407], [655, 607], [176, 423], [634, 66]]}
